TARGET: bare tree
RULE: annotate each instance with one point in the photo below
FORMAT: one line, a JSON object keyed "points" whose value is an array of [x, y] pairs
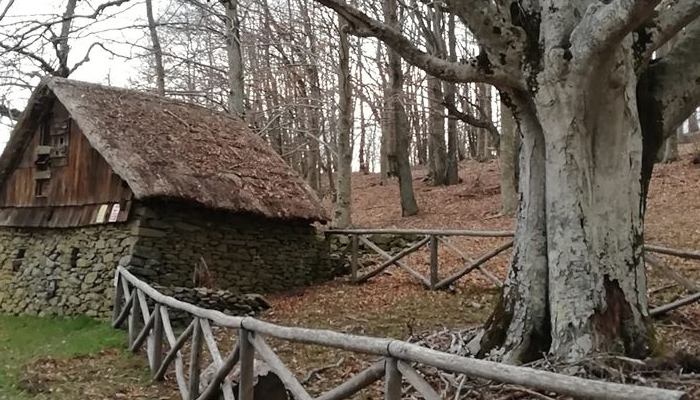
{"points": [[343, 206]]}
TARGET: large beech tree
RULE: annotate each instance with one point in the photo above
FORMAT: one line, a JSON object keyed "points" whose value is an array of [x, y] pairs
{"points": [[592, 108]]}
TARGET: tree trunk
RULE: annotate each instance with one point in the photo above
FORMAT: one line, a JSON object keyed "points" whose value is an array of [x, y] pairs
{"points": [[342, 215], [437, 155], [400, 121], [693, 122], [508, 161], [577, 282], [452, 175], [157, 51], [235, 60], [670, 147]]}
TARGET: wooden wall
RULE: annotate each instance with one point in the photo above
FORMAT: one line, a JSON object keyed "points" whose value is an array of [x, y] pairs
{"points": [[84, 182]]}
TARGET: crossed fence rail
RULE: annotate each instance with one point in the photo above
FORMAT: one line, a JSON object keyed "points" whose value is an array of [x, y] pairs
{"points": [[146, 313], [434, 238]]}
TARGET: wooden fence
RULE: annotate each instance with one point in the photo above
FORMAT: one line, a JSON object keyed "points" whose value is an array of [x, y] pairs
{"points": [[433, 239], [140, 306]]}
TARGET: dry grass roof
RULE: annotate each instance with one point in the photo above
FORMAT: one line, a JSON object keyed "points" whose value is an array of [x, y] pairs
{"points": [[165, 148]]}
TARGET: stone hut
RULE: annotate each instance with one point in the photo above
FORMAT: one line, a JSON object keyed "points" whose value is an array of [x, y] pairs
{"points": [[94, 177]]}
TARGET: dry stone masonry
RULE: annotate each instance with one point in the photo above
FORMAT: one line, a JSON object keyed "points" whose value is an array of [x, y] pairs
{"points": [[70, 271]]}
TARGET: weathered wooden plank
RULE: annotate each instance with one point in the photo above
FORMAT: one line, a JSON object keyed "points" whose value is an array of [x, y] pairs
{"points": [[418, 382], [118, 299], [356, 383], [157, 348], [175, 346], [354, 254], [392, 259], [493, 278], [195, 360], [286, 376], [386, 255], [134, 318], [439, 232], [119, 320], [671, 273], [247, 358], [218, 361], [392, 380], [661, 310], [693, 255], [145, 331], [528, 377], [433, 261], [213, 388], [493, 253]]}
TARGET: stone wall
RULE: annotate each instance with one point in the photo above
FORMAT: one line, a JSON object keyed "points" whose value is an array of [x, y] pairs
{"points": [[60, 271], [245, 254]]}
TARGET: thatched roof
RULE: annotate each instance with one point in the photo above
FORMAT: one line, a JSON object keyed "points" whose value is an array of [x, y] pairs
{"points": [[165, 148]]}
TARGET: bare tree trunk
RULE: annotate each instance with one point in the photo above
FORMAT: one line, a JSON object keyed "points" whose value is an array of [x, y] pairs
{"points": [[400, 121], [508, 161], [343, 210], [157, 51], [62, 47], [387, 148], [693, 122], [452, 176], [670, 147], [437, 155], [235, 59]]}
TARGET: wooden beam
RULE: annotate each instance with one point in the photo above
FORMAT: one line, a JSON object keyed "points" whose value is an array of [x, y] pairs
{"points": [[391, 259], [145, 331], [247, 358], [392, 380], [356, 383], [493, 253], [354, 250], [433, 261], [175, 347], [661, 310], [212, 389], [418, 382], [195, 360], [117, 301], [157, 348], [123, 314], [439, 232], [286, 376], [386, 255], [671, 273], [133, 319], [493, 278], [227, 387], [693, 255]]}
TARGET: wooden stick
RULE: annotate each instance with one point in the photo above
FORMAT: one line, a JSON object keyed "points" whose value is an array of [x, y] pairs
{"points": [[118, 298], [195, 360], [353, 257], [157, 358], [693, 255], [287, 377], [357, 383], [218, 361], [247, 355], [392, 380], [133, 318], [392, 259], [661, 310], [419, 232], [671, 273], [493, 253], [386, 255], [145, 331], [213, 388], [493, 278], [175, 346], [433, 261], [418, 382], [174, 353], [123, 314]]}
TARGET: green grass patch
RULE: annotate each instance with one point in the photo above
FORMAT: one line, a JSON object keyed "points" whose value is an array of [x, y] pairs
{"points": [[25, 339]]}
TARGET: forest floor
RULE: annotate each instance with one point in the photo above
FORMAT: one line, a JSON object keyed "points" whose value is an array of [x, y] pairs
{"points": [[394, 305]]}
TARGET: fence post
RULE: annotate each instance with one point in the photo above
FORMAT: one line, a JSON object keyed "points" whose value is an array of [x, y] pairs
{"points": [[353, 257], [195, 357], [118, 297], [157, 347], [392, 380], [433, 261], [134, 316], [247, 353]]}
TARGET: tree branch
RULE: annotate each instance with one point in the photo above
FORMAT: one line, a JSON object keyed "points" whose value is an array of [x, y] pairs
{"points": [[672, 17], [677, 79], [473, 70], [11, 113], [604, 26], [469, 118]]}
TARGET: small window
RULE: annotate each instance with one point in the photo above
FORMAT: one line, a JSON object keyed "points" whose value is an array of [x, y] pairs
{"points": [[41, 188]]}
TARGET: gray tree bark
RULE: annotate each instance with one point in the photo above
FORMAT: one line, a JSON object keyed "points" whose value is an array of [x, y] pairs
{"points": [[235, 59], [508, 158], [157, 51], [343, 207]]}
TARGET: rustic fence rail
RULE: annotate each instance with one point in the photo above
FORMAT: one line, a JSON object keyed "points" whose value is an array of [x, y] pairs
{"points": [[433, 238], [134, 299]]}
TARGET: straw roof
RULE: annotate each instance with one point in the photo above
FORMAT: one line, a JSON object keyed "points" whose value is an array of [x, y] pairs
{"points": [[164, 148]]}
